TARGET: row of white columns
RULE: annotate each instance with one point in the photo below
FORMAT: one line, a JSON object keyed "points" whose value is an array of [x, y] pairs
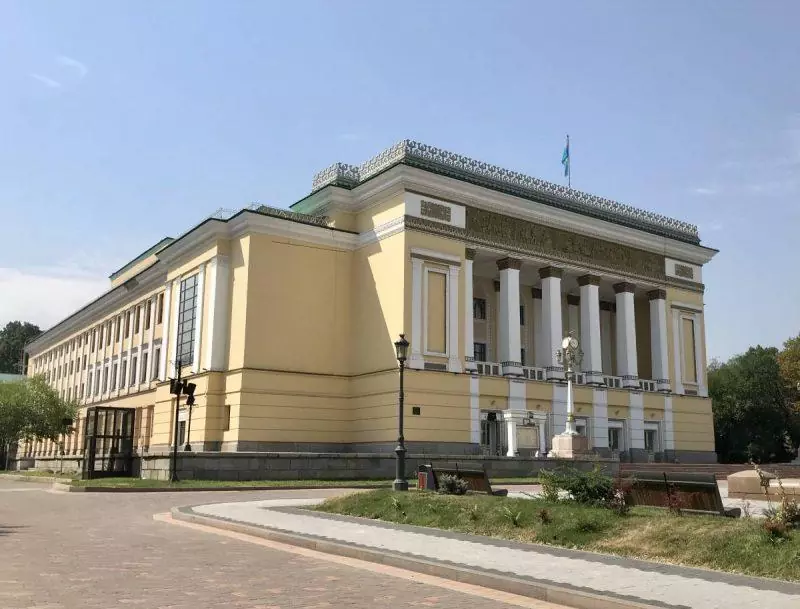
{"points": [[587, 315]]}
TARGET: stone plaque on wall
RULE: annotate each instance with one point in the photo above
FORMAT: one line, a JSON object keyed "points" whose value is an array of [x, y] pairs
{"points": [[437, 211]]}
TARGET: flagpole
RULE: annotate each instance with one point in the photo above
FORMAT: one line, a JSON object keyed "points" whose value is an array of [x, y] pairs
{"points": [[569, 165]]}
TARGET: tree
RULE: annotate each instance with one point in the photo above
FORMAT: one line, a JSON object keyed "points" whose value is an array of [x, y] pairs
{"points": [[753, 417], [12, 341], [30, 409]]}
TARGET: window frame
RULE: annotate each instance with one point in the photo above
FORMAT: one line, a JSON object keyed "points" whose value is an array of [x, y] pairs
{"points": [[187, 319]]}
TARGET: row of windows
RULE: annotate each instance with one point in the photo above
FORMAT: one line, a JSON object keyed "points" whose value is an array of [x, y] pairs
{"points": [[102, 335], [481, 355], [479, 310], [148, 371]]}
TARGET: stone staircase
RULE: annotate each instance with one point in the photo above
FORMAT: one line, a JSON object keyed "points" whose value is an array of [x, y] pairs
{"points": [[720, 470]]}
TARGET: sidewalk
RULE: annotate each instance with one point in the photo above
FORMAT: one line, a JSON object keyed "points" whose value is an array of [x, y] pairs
{"points": [[653, 584]]}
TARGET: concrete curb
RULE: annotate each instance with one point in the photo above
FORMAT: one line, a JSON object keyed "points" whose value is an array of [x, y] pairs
{"points": [[68, 488], [544, 591]]}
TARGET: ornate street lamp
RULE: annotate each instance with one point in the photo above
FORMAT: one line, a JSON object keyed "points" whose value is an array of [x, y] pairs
{"points": [[570, 356], [400, 482]]}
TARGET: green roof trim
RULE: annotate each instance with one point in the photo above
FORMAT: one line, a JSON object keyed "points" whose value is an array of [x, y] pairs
{"points": [[153, 250]]}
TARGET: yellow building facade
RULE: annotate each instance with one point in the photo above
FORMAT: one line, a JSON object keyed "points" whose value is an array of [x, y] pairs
{"points": [[285, 320]]}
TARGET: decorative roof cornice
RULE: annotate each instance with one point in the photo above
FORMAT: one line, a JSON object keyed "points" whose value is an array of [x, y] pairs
{"points": [[453, 165]]}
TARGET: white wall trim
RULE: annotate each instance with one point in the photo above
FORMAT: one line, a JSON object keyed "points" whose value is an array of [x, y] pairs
{"points": [[418, 251]]}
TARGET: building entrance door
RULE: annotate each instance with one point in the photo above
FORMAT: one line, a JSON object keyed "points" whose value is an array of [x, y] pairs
{"points": [[108, 442]]}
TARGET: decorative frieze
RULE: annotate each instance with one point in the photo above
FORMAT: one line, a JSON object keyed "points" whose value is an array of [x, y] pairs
{"points": [[551, 271], [624, 286], [437, 211], [588, 280], [684, 271], [657, 295], [504, 231], [509, 263]]}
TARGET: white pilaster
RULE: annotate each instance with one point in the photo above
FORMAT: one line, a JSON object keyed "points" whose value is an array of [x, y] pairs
{"points": [[658, 338], [415, 360], [542, 438], [474, 410], [599, 418], [165, 341], [150, 337], [454, 358], [676, 350], [198, 321], [627, 366], [559, 408], [539, 357], [552, 326], [137, 350], [218, 314], [591, 343], [469, 322], [173, 331], [509, 325], [669, 426], [606, 337], [699, 336], [636, 419]]}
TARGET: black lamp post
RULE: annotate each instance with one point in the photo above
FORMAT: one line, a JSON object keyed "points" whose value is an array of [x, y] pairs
{"points": [[188, 391], [175, 388], [400, 482]]}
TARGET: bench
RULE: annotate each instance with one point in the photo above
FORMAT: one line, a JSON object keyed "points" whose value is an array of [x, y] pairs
{"points": [[694, 493], [476, 478]]}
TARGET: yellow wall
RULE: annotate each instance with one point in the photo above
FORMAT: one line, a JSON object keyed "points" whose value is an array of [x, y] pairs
{"points": [[134, 270], [693, 423]]}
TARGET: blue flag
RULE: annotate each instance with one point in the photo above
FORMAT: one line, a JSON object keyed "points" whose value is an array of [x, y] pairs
{"points": [[565, 159]]}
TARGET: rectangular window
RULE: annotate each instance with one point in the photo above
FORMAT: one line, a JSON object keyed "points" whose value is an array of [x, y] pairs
{"points": [[114, 377], [97, 382], [136, 318], [69, 394], [133, 370], [436, 312], [123, 373], [147, 315], [94, 333], [84, 362], [156, 361], [143, 375], [108, 334], [226, 417], [118, 331], [105, 379], [522, 315], [479, 308], [127, 324], [650, 440], [71, 364], [613, 438], [522, 357], [89, 382], [186, 320], [480, 352], [160, 315], [83, 386]]}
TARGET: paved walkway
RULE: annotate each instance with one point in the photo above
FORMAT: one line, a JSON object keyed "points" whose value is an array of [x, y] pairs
{"points": [[650, 582], [104, 551]]}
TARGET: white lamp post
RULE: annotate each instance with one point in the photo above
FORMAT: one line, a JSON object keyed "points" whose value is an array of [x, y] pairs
{"points": [[570, 356]]}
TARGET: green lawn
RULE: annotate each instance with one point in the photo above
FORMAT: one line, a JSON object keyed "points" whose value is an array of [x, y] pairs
{"points": [[739, 546]]}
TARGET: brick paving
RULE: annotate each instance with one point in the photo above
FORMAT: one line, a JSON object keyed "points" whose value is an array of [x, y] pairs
{"points": [[102, 551]]}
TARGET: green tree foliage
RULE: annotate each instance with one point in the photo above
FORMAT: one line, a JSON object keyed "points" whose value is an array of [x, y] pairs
{"points": [[30, 408], [12, 341], [754, 417]]}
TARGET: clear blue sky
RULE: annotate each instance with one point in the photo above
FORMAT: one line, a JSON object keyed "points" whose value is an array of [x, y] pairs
{"points": [[123, 122]]}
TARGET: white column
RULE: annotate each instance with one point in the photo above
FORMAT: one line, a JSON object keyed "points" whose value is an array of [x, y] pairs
{"points": [[606, 337], [552, 326], [454, 357], [511, 430], [699, 336], [573, 320], [591, 343], [542, 439], [165, 343], [658, 338], [676, 350], [539, 356], [627, 366], [509, 316], [198, 320], [139, 343], [218, 314], [469, 322], [415, 360], [150, 337]]}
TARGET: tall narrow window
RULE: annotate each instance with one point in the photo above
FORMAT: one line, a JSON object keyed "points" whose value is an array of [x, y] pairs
{"points": [[83, 386], [119, 329], [186, 320], [156, 361], [114, 377], [480, 352], [97, 382], [479, 308], [522, 315], [136, 320], [127, 324], [147, 315], [123, 373], [94, 334], [133, 370], [160, 315], [108, 334], [105, 379], [143, 375], [89, 382]]}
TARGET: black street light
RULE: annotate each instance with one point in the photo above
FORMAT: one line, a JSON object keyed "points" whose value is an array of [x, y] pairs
{"points": [[175, 388], [188, 391], [400, 482]]}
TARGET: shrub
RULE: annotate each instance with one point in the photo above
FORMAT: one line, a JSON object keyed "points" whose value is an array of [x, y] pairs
{"points": [[618, 499], [550, 487], [452, 485], [589, 488], [544, 516], [474, 513], [513, 517]]}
